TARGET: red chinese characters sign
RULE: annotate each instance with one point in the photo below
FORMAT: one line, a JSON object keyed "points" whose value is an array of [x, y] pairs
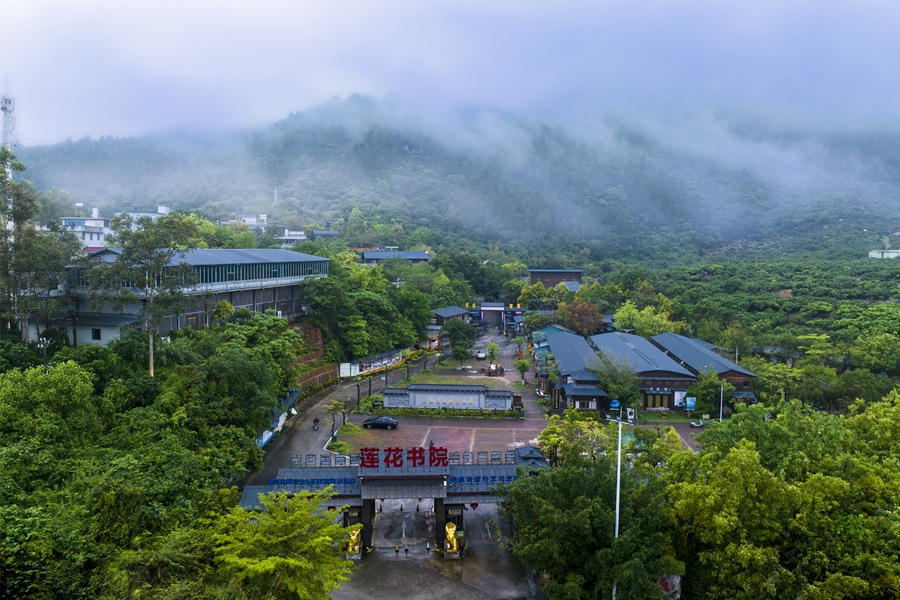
{"points": [[373, 458]]}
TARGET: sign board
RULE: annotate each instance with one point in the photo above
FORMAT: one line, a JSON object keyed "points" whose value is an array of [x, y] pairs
{"points": [[690, 403], [403, 461], [679, 399], [614, 404]]}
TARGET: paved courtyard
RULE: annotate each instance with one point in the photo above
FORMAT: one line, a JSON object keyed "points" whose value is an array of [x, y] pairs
{"points": [[455, 434], [488, 571]]}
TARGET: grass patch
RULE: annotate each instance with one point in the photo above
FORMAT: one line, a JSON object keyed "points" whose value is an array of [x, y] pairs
{"points": [[339, 447], [350, 428]]}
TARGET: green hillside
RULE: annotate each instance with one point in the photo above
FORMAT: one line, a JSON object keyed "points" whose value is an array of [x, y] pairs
{"points": [[552, 195]]}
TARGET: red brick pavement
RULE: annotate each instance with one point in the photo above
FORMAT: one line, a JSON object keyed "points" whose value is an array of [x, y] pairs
{"points": [[459, 439]]}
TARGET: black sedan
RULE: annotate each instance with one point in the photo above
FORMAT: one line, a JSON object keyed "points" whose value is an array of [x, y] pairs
{"points": [[383, 422]]}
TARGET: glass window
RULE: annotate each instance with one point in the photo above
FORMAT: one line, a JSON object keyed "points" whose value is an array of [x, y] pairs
{"points": [[95, 334]]}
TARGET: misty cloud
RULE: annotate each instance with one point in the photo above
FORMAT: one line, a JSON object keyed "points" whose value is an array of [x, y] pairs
{"points": [[110, 68]]}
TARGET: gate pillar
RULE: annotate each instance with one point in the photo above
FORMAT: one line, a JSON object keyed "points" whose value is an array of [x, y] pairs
{"points": [[440, 516], [367, 516]]}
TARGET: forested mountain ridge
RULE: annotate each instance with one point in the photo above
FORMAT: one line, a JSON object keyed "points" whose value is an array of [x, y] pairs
{"points": [[558, 196]]}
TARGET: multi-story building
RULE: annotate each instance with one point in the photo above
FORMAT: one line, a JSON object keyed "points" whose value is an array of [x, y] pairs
{"points": [[94, 230], [91, 231], [291, 236], [254, 279]]}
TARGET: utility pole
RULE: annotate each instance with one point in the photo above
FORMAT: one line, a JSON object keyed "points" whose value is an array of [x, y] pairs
{"points": [[8, 108]]}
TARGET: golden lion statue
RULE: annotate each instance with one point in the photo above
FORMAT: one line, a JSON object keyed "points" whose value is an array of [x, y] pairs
{"points": [[353, 546], [451, 546]]}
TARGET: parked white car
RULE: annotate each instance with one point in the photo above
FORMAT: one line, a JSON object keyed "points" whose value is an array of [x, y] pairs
{"points": [[481, 354]]}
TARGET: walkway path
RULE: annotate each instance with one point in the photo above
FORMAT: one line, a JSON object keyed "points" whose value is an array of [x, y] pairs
{"points": [[463, 435]]}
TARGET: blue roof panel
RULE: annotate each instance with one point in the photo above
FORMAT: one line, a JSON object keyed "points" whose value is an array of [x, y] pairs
{"points": [[572, 353], [638, 352], [697, 354]]}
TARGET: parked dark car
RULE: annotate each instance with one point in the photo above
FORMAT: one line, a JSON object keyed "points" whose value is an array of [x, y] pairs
{"points": [[383, 422]]}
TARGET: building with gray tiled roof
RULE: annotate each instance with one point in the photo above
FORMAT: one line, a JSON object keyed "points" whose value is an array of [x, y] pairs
{"points": [[255, 279], [697, 356], [576, 386], [661, 379]]}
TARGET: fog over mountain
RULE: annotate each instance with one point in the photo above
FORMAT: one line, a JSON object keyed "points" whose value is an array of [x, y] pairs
{"points": [[663, 186]]}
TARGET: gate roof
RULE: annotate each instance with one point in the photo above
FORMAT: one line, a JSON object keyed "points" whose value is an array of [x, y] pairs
{"points": [[456, 483]]}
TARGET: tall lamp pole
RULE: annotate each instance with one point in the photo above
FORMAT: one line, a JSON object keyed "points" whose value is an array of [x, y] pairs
{"points": [[618, 496]]}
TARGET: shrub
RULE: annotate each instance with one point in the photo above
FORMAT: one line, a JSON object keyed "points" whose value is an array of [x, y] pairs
{"points": [[367, 403]]}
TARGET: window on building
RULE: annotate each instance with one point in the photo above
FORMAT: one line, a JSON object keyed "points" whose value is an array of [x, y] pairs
{"points": [[434, 321], [192, 322], [586, 404], [95, 334], [746, 384]]}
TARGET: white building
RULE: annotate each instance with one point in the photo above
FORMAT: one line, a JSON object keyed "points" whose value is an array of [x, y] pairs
{"points": [[291, 236], [884, 253], [94, 230]]}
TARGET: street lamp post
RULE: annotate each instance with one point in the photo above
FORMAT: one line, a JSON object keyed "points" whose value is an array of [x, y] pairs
{"points": [[43, 344], [618, 496]]}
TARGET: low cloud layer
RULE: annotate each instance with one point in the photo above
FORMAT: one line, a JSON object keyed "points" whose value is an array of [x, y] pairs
{"points": [[99, 67]]}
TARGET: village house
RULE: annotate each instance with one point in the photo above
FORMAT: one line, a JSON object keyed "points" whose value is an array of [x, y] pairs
{"points": [[696, 356], [377, 257], [661, 379], [576, 385], [450, 313], [552, 277]]}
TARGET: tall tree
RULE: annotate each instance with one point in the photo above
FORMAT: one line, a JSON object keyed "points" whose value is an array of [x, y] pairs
{"points": [[583, 317], [148, 269], [291, 549], [462, 338], [18, 207], [493, 351], [45, 264], [565, 522]]}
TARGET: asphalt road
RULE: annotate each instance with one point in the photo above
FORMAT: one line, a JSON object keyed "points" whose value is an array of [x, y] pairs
{"points": [[299, 437]]}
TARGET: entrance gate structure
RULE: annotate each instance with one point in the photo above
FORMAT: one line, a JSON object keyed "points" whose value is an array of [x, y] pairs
{"points": [[396, 473]]}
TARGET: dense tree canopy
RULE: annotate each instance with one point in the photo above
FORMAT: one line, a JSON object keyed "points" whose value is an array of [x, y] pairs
{"points": [[110, 479]]}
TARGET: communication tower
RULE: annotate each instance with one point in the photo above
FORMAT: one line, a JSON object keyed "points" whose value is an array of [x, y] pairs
{"points": [[8, 106]]}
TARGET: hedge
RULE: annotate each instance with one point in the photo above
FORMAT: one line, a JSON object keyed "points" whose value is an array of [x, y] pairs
{"points": [[448, 412]]}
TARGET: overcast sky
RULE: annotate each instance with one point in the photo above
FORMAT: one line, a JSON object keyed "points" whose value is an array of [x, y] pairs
{"points": [[114, 67]]}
